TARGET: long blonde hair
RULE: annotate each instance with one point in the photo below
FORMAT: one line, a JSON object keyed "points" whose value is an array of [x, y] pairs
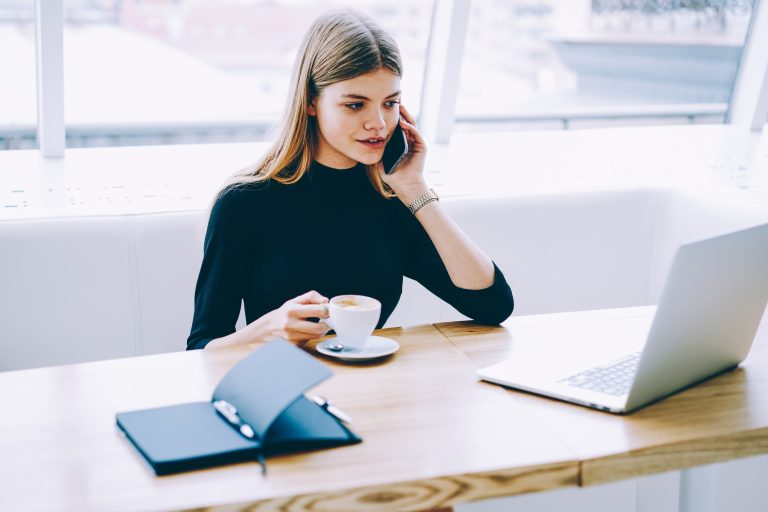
{"points": [[340, 45]]}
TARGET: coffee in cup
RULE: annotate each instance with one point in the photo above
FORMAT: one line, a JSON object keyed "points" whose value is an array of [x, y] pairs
{"points": [[353, 317]]}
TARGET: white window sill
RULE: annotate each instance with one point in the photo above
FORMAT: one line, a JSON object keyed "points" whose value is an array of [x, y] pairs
{"points": [[149, 179]]}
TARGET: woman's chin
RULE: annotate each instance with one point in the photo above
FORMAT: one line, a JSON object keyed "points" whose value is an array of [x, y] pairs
{"points": [[368, 159]]}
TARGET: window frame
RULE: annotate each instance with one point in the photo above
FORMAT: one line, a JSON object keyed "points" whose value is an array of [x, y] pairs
{"points": [[49, 52], [748, 105], [440, 86]]}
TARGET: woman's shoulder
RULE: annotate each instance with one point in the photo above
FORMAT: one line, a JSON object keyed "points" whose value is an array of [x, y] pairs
{"points": [[239, 191], [239, 197], [247, 192]]}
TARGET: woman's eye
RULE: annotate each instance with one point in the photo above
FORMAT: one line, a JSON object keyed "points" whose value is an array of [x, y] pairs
{"points": [[354, 106], [392, 103]]}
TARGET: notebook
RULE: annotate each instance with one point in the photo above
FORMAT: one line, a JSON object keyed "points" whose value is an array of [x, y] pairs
{"points": [[257, 409]]}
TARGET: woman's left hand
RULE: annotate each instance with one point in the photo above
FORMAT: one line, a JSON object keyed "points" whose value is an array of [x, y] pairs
{"points": [[408, 177]]}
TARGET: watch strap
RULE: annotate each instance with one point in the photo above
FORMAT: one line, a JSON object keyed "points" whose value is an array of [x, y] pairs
{"points": [[422, 200]]}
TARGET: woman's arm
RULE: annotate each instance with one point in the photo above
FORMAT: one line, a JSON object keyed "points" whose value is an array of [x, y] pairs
{"points": [[251, 333], [437, 253], [218, 293], [288, 322], [467, 265]]}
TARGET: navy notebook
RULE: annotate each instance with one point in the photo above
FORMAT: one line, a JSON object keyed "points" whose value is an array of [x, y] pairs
{"points": [[271, 415]]}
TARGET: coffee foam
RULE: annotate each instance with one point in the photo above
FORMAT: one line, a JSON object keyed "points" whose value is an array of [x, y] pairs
{"points": [[355, 303]]}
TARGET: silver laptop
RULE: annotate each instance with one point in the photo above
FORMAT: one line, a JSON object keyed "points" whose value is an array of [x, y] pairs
{"points": [[706, 320]]}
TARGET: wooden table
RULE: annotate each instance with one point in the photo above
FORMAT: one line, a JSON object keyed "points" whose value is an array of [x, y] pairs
{"points": [[433, 435], [720, 419]]}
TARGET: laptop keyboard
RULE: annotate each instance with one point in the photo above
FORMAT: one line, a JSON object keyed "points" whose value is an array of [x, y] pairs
{"points": [[614, 379]]}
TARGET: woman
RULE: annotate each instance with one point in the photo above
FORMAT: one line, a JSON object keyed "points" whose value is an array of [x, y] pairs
{"points": [[318, 217]]}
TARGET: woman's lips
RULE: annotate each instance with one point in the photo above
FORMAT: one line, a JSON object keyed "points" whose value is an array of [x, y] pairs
{"points": [[373, 145]]}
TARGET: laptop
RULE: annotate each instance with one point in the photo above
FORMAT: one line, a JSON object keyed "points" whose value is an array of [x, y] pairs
{"points": [[710, 309]]}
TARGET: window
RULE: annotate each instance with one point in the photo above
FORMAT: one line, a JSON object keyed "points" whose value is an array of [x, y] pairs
{"points": [[18, 110], [175, 71], [584, 63], [193, 71]]}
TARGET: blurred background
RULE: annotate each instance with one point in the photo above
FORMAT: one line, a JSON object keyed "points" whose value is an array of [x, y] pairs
{"points": [[143, 72]]}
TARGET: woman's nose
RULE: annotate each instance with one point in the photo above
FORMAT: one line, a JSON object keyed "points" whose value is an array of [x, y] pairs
{"points": [[376, 121]]}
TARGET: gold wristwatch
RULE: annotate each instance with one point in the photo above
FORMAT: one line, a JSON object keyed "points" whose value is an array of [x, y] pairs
{"points": [[423, 199]]}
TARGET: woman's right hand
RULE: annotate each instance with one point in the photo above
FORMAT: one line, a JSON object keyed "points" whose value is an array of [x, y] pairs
{"points": [[290, 322]]}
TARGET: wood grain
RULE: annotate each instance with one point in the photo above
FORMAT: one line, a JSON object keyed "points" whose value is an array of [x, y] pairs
{"points": [[720, 419], [674, 456], [432, 436], [422, 495]]}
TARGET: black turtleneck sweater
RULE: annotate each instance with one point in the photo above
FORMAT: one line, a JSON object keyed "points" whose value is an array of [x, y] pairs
{"points": [[332, 232]]}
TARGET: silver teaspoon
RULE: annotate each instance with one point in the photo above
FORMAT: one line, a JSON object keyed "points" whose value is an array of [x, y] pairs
{"points": [[338, 347]]}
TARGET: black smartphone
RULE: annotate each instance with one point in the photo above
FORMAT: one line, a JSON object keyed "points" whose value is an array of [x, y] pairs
{"points": [[395, 150]]}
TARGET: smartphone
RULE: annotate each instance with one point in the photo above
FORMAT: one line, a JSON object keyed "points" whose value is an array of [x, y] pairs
{"points": [[395, 150]]}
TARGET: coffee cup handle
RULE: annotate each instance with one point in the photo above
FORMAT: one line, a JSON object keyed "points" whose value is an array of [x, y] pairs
{"points": [[327, 321]]}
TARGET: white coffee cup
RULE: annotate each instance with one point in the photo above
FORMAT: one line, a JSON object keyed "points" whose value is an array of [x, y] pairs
{"points": [[353, 317]]}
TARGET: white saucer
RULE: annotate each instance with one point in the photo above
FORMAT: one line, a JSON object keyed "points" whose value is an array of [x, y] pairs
{"points": [[375, 347]]}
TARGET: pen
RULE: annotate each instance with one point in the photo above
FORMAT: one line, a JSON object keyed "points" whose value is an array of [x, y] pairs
{"points": [[229, 413], [332, 409]]}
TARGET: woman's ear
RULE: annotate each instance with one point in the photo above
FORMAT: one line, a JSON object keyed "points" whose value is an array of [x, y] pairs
{"points": [[311, 110]]}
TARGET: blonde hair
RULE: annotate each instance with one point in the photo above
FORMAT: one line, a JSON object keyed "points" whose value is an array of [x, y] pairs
{"points": [[340, 45]]}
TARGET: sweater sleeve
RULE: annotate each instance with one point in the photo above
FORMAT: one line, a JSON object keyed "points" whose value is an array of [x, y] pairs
{"points": [[422, 263], [218, 292]]}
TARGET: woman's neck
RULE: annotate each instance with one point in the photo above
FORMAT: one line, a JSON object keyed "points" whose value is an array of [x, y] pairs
{"points": [[337, 166]]}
